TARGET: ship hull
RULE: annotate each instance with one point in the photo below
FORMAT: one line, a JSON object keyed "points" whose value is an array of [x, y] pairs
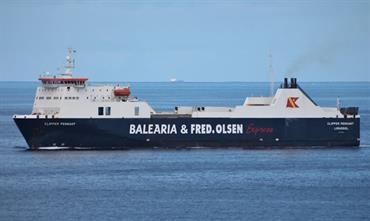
{"points": [[123, 133]]}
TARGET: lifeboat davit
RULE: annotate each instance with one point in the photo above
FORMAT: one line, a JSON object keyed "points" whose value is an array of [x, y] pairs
{"points": [[122, 91]]}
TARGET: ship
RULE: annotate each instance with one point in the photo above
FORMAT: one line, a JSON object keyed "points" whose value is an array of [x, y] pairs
{"points": [[69, 113]]}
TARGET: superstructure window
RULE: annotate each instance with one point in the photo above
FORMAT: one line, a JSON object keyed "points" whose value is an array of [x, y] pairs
{"points": [[107, 110], [100, 111], [136, 110]]}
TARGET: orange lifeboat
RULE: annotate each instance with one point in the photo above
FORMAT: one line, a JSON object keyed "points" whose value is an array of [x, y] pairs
{"points": [[122, 91]]}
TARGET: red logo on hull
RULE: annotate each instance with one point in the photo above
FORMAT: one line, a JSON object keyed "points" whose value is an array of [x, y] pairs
{"points": [[291, 102]]}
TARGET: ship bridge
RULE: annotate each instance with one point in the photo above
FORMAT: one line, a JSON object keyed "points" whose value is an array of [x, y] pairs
{"points": [[54, 81], [65, 79]]}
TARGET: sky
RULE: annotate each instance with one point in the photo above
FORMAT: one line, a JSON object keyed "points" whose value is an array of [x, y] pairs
{"points": [[197, 41]]}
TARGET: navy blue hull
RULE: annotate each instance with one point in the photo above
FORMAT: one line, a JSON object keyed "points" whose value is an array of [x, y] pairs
{"points": [[189, 132]]}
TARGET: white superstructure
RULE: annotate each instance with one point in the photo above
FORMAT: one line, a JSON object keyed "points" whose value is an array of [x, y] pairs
{"points": [[65, 96]]}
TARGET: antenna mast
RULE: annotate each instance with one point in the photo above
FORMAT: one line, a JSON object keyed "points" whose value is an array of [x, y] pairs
{"points": [[271, 74], [70, 63]]}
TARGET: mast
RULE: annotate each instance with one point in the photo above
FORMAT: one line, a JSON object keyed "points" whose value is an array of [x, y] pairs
{"points": [[70, 63], [271, 74]]}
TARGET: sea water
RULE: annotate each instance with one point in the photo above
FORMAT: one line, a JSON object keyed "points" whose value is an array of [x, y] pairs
{"points": [[195, 184]]}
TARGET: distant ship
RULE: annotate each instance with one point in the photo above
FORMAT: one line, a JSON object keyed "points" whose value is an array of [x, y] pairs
{"points": [[174, 80], [69, 113]]}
